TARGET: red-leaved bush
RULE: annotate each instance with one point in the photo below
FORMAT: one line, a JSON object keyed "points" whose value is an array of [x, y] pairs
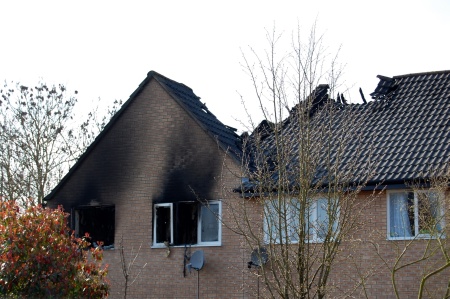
{"points": [[41, 258]]}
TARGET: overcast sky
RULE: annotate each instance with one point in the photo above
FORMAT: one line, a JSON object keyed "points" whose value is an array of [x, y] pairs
{"points": [[105, 48]]}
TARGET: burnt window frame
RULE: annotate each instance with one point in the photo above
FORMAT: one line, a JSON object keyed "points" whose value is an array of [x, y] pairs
{"points": [[76, 224], [155, 218], [200, 207]]}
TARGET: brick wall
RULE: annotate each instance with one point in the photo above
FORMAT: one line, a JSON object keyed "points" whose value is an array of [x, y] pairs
{"points": [[359, 259]]}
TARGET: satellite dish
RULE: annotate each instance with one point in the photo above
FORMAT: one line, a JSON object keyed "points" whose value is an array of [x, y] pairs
{"points": [[197, 261], [259, 257]]}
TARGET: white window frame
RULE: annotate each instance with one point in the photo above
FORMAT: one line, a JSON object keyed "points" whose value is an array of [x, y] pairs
{"points": [[270, 239], [199, 228], [219, 224], [312, 238], [416, 234]]}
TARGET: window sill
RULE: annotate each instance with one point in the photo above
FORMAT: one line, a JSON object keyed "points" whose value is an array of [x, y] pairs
{"points": [[296, 242], [162, 246], [109, 249], [419, 237]]}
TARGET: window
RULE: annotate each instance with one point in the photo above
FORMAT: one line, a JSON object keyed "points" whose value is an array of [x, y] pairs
{"points": [[187, 223], [282, 220], [163, 223], [318, 224], [414, 214], [98, 221]]}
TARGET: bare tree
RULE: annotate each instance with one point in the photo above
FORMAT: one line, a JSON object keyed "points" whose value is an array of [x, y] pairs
{"points": [[40, 137], [301, 192], [127, 269], [35, 138]]}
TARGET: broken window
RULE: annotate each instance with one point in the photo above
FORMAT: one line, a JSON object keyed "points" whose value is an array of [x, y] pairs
{"points": [[163, 223], [99, 222], [187, 223]]}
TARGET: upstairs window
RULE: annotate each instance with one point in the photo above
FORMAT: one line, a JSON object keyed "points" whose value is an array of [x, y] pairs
{"points": [[282, 221], [318, 222], [187, 223], [414, 214], [98, 222]]}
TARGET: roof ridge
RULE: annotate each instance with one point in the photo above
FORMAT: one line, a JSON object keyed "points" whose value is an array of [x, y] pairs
{"points": [[153, 73], [423, 73]]}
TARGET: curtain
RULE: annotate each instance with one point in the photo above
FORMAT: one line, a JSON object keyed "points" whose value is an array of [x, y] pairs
{"points": [[399, 208], [293, 220], [280, 217], [322, 218], [272, 212]]}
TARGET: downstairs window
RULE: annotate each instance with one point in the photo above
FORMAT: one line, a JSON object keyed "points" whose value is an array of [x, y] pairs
{"points": [[414, 214], [187, 223]]}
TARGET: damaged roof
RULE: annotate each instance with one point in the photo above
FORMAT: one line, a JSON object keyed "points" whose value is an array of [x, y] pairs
{"points": [[225, 136], [404, 131]]}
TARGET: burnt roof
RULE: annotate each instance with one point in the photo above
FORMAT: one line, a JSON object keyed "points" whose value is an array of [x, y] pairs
{"points": [[404, 131], [225, 136]]}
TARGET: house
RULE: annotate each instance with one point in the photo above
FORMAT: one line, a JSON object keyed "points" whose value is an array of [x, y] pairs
{"points": [[140, 184], [155, 180]]}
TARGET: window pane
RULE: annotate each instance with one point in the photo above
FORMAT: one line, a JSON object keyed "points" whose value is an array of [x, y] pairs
{"points": [[294, 220], [185, 223], [281, 220], [99, 222], [209, 223], [401, 215], [310, 218], [163, 224], [271, 221], [428, 203], [322, 218]]}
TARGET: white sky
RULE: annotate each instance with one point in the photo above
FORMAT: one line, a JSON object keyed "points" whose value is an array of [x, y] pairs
{"points": [[105, 48]]}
